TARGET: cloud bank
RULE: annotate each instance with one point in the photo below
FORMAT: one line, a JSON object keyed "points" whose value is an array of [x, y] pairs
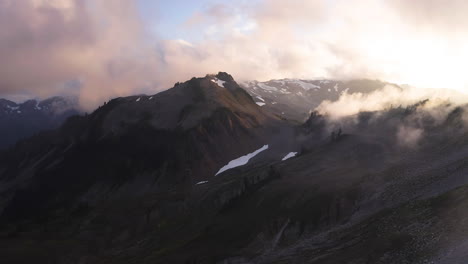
{"points": [[389, 97], [102, 49], [94, 49]]}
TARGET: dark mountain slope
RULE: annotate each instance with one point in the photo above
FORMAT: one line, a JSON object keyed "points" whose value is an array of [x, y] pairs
{"points": [[134, 145], [379, 187], [358, 199]]}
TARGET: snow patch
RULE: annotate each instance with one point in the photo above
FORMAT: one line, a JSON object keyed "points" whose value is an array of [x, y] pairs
{"points": [[150, 98], [281, 82], [289, 155], [260, 98], [336, 87], [13, 108], [260, 103], [329, 90], [267, 87], [202, 182], [284, 91], [305, 85], [219, 82], [241, 160], [138, 100]]}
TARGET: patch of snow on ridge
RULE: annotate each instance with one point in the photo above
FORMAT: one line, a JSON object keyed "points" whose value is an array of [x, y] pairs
{"points": [[267, 87], [138, 100], [219, 82], [284, 91], [289, 155], [202, 182], [260, 103], [305, 85], [241, 160], [281, 82], [14, 108], [260, 98], [336, 87]]}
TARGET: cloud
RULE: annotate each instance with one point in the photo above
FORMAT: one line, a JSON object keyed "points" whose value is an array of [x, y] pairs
{"points": [[104, 44], [409, 136], [46, 44], [434, 15], [389, 97], [392, 40]]}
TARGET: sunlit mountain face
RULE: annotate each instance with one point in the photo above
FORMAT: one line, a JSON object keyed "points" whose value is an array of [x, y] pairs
{"points": [[214, 131]]}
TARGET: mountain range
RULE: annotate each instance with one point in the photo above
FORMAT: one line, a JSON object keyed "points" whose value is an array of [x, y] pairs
{"points": [[212, 171], [294, 99], [19, 121]]}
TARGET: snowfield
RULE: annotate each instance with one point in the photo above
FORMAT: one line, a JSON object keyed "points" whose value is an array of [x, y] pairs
{"points": [[289, 155], [241, 160], [267, 87]]}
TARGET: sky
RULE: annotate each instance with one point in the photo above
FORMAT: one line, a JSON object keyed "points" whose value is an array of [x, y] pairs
{"points": [[101, 49]]}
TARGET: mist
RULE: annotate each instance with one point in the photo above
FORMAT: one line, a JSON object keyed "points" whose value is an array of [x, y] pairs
{"points": [[402, 117], [389, 97]]}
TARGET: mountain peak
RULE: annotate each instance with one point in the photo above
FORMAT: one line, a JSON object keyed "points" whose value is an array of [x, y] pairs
{"points": [[224, 76], [184, 106]]}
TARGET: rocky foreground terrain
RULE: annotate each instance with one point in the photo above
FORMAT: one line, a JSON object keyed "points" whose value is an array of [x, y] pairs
{"points": [[202, 173]]}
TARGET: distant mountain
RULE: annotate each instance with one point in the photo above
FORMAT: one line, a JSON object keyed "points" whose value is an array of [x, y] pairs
{"points": [[19, 121], [294, 98]]}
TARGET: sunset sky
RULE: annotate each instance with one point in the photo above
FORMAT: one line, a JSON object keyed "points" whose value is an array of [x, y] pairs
{"points": [[106, 48]]}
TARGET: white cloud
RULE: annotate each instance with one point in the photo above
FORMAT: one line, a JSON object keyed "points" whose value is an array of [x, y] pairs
{"points": [[105, 45], [388, 97]]}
